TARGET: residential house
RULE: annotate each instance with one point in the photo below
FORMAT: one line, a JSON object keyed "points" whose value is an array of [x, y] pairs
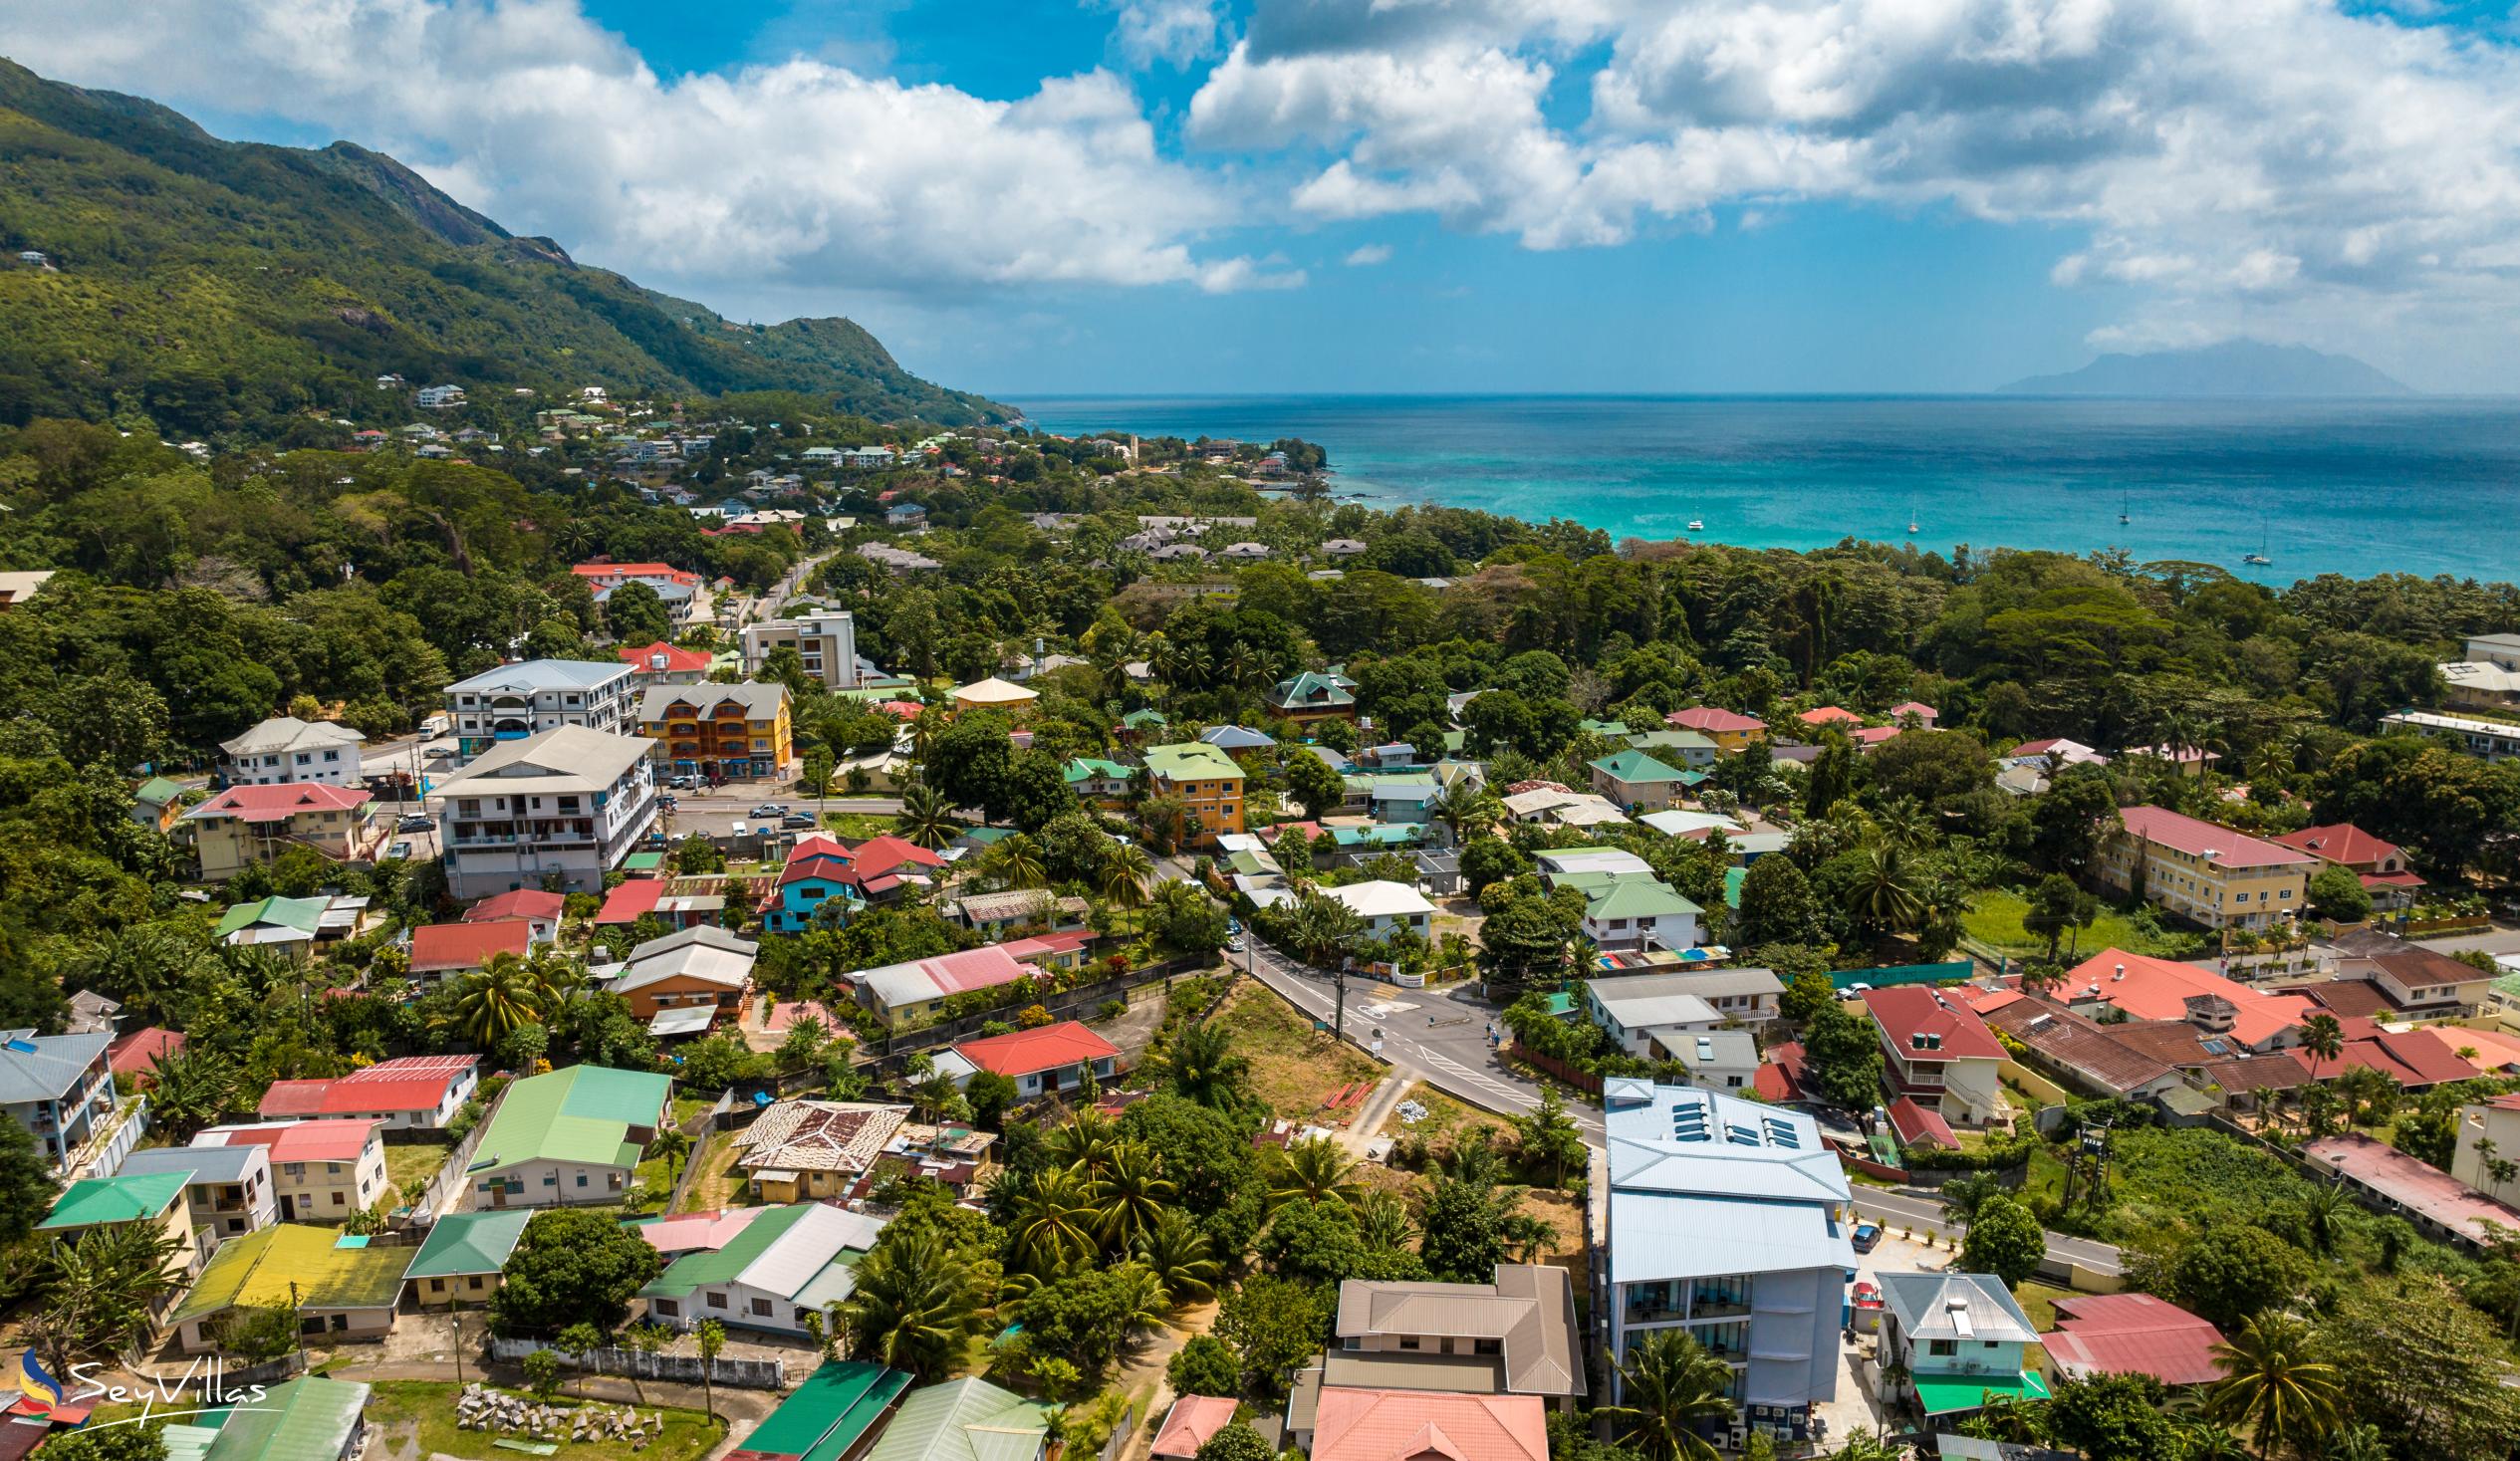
{"points": [[1830, 715], [227, 1190], [1730, 730], [772, 1273], [1387, 907], [964, 1420], [1191, 1422], [569, 1136], [2487, 1129], [2488, 678], [1936, 1050], [1688, 749], [406, 1094], [343, 1288], [448, 950], [1041, 1062], [295, 925], [322, 1171], [516, 701], [138, 1053], [1738, 996], [1309, 696], [154, 1201], [2132, 1333], [1914, 714], [1099, 781], [1207, 784], [826, 640], [310, 1419], [540, 912], [2054, 752], [2381, 866], [1232, 738], [801, 1150], [1952, 1343], [1726, 1219], [1346, 1425], [602, 577], [719, 732], [19, 586], [2113, 983], [831, 1416], [439, 397], [701, 967], [2418, 982], [250, 825], [1645, 1017], [2388, 1181], [2216, 877], [999, 915], [1640, 913], [158, 803], [569, 803], [2187, 760], [287, 750], [60, 1088], [1517, 1336], [464, 1256], [662, 663], [918, 988], [2489, 740]]}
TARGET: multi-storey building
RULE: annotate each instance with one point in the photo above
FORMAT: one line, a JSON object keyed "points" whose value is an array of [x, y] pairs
{"points": [[227, 1189], [1726, 1220], [515, 701], [567, 805], [2494, 740], [1937, 1052], [1952, 1343], [2216, 877], [245, 825], [322, 1171], [286, 749], [61, 1089], [826, 640], [1205, 780], [719, 732]]}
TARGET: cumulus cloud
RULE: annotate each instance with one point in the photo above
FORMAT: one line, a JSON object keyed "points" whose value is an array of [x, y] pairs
{"points": [[1367, 255], [2288, 156], [800, 173], [1174, 32]]}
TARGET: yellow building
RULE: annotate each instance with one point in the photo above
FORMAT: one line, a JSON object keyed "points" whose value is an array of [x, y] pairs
{"points": [[719, 732], [154, 1198], [2211, 874], [1207, 782], [243, 826]]}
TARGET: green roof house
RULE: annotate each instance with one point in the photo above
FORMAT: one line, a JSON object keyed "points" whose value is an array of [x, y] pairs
{"points": [[310, 1418], [1092, 776], [1311, 696], [1637, 781], [464, 1254], [154, 1198], [156, 803], [571, 1136], [274, 920], [827, 1417], [1688, 748], [1637, 914], [965, 1421], [1144, 721]]}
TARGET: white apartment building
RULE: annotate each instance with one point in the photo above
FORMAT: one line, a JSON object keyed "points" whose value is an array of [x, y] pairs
{"points": [[569, 804], [1727, 1218], [827, 641], [287, 750], [515, 701]]}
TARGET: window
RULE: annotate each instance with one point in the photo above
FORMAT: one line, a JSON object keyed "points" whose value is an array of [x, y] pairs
{"points": [[340, 1201], [1409, 1343], [473, 1283], [761, 1307], [1943, 1346], [668, 1308], [716, 1299]]}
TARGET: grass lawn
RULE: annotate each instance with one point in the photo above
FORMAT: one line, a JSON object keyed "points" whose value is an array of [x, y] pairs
{"points": [[858, 826], [1994, 919], [1292, 1067], [416, 1419], [1446, 1118], [410, 1162]]}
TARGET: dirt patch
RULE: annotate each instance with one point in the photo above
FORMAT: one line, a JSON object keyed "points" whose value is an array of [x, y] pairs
{"points": [[1293, 1067]]}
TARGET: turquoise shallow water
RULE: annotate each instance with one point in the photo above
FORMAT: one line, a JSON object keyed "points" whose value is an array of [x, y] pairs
{"points": [[2420, 486]]}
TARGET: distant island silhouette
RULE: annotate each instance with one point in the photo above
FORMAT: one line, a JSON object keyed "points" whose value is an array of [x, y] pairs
{"points": [[2235, 367]]}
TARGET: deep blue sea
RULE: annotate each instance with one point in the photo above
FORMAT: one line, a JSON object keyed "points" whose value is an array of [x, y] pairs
{"points": [[2424, 486]]}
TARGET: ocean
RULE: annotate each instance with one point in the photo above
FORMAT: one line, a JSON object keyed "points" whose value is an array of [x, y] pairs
{"points": [[2421, 486]]}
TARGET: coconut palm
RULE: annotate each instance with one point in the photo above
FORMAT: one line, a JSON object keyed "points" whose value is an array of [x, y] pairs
{"points": [[1205, 1068], [1321, 928], [1905, 825], [1314, 1170], [925, 819], [2322, 1039], [2286, 1399], [1145, 1296], [501, 995], [1885, 898], [1016, 861], [1085, 1145], [1176, 1253], [1465, 808], [1674, 1389], [1132, 1194], [1054, 1219], [1123, 874], [916, 1304]]}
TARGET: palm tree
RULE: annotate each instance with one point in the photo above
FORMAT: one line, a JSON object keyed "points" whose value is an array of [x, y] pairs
{"points": [[1467, 810], [2322, 1210], [496, 998], [925, 819], [1884, 898], [1122, 880], [1322, 927], [1176, 1253], [1145, 1295], [1547, 1137], [1132, 1194], [2286, 1399], [1205, 1068], [1017, 860], [1315, 1170], [916, 1304], [1053, 1221], [1904, 824], [1086, 1145], [1673, 1389], [673, 1145], [2322, 1039], [1383, 1220]]}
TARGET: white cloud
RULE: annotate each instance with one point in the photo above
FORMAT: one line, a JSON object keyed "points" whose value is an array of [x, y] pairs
{"points": [[1367, 255], [799, 173], [2311, 165], [1174, 32]]}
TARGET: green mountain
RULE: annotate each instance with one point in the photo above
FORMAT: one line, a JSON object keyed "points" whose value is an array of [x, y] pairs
{"points": [[227, 286]]}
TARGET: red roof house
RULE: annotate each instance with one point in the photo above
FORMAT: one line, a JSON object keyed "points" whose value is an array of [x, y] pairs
{"points": [[1830, 715], [420, 1091], [2132, 1333], [2160, 989], [2380, 865], [1917, 1127], [664, 658], [1189, 1423], [630, 900], [439, 949], [1936, 1050], [324, 1141], [138, 1053], [1916, 710], [1420, 1425], [1043, 1060], [1713, 720], [2417, 1059], [279, 802], [1782, 1076]]}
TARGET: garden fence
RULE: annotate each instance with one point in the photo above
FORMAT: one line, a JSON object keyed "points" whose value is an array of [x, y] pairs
{"points": [[747, 1374]]}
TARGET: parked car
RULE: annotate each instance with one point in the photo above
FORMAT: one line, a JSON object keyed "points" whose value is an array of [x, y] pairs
{"points": [[1867, 1236], [413, 822], [799, 819], [1234, 944], [770, 810], [401, 848]]}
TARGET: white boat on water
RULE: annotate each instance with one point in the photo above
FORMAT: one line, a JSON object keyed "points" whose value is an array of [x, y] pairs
{"points": [[1697, 525]]}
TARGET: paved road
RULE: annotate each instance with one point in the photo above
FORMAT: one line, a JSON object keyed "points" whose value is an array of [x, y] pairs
{"points": [[1905, 1210]]}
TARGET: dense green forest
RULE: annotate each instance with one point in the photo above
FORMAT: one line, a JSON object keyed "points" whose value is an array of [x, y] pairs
{"points": [[216, 289]]}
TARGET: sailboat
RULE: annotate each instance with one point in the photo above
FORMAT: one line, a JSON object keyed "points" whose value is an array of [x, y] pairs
{"points": [[2126, 506], [1912, 520], [2259, 557], [1697, 525]]}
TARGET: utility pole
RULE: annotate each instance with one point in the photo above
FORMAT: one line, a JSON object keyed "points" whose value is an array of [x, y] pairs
{"points": [[455, 1310], [1339, 1000], [299, 1320]]}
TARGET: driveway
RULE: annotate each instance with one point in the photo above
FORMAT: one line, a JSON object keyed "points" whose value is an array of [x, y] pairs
{"points": [[1855, 1405]]}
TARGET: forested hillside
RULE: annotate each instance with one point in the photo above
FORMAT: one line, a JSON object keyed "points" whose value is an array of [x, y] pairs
{"points": [[220, 288]]}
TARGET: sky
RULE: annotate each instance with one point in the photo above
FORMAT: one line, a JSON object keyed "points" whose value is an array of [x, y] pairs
{"points": [[1262, 196]]}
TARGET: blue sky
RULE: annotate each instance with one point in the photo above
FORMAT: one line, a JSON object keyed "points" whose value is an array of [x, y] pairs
{"points": [[1441, 195]]}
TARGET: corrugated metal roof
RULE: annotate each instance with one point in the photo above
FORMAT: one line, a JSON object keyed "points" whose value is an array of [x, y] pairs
{"points": [[305, 1419], [965, 1421], [469, 1242], [1659, 1235], [827, 1415]]}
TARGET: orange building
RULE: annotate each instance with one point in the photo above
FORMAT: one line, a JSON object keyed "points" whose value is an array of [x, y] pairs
{"points": [[1207, 782]]}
